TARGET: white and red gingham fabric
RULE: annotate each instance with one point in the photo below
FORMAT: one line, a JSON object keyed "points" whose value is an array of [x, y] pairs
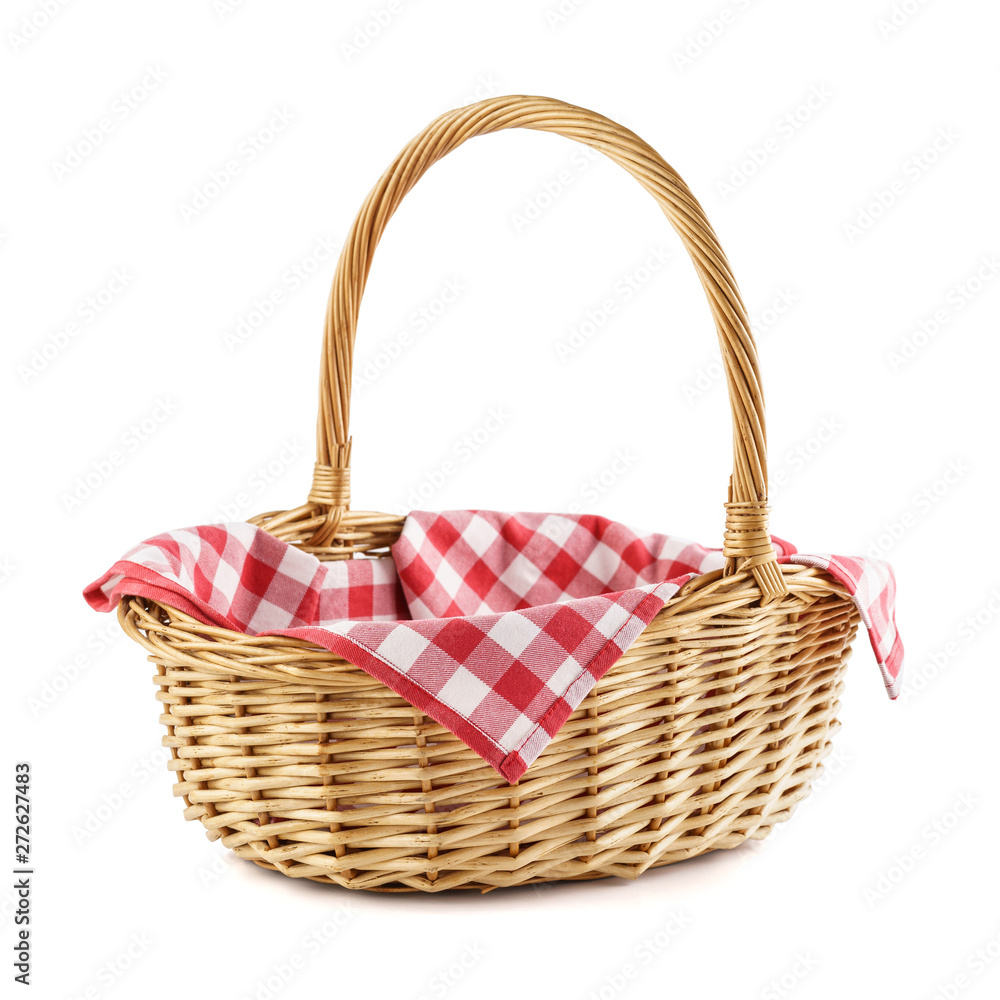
{"points": [[496, 625]]}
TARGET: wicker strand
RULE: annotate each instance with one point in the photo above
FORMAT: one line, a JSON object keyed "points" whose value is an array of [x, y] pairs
{"points": [[331, 491], [747, 544]]}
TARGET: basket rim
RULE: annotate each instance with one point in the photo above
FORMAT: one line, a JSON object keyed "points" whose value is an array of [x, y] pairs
{"points": [[692, 597]]}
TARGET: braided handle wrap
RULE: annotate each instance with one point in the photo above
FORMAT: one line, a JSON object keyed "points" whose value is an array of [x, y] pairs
{"points": [[747, 542]]}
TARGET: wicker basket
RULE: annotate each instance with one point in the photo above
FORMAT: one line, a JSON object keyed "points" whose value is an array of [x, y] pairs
{"points": [[707, 732]]}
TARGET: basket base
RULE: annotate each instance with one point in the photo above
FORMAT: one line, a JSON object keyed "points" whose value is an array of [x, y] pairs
{"points": [[684, 849], [674, 857]]}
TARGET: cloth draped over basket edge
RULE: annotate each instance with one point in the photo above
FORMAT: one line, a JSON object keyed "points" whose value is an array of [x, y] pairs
{"points": [[496, 625]]}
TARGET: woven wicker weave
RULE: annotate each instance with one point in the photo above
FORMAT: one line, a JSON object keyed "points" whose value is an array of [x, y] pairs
{"points": [[705, 733]]}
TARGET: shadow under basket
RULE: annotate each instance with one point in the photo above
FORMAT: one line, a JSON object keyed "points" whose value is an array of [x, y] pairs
{"points": [[707, 732]]}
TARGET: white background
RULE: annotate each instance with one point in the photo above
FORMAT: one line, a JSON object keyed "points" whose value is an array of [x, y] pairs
{"points": [[885, 881]]}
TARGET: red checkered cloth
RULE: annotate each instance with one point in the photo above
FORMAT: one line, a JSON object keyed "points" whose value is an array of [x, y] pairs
{"points": [[495, 625]]}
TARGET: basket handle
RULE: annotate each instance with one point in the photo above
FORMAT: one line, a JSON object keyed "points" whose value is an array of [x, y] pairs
{"points": [[747, 544]]}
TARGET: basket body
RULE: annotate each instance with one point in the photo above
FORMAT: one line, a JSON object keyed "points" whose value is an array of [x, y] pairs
{"points": [[707, 732]]}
